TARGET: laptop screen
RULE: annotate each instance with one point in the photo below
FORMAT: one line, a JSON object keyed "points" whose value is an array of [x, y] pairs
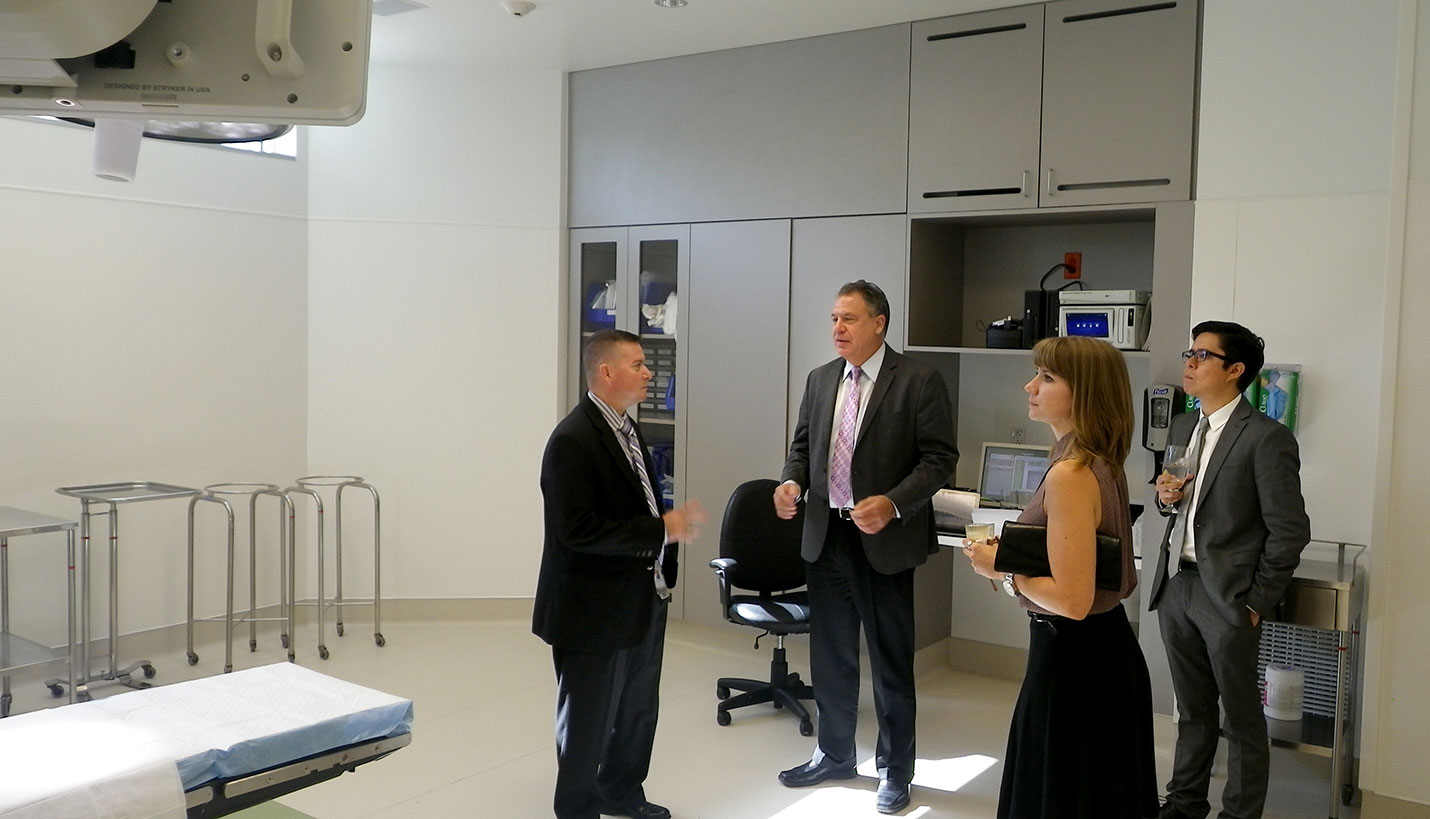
{"points": [[1011, 473]]}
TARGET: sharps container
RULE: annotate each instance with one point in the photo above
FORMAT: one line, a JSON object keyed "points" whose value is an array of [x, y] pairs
{"points": [[1284, 693]]}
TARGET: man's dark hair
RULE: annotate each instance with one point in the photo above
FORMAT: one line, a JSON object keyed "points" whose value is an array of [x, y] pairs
{"points": [[872, 295], [599, 348], [1239, 345]]}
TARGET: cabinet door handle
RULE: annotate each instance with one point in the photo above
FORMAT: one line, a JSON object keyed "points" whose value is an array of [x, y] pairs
{"points": [[1023, 186], [1050, 181]]}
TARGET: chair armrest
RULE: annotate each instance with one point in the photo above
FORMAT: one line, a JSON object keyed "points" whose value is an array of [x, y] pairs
{"points": [[723, 566]]}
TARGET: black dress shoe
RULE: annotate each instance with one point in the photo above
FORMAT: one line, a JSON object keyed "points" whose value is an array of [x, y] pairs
{"points": [[641, 810], [892, 797], [813, 773], [1169, 811]]}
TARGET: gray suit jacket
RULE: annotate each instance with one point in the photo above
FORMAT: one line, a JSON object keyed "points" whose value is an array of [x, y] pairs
{"points": [[905, 450], [1250, 524]]}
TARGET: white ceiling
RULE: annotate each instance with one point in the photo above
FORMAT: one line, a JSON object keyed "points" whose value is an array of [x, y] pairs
{"points": [[571, 35]]}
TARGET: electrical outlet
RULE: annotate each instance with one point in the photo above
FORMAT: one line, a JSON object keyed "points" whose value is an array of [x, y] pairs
{"points": [[1074, 265]]}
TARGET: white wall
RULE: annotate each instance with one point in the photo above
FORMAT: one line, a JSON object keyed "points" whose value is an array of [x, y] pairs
{"points": [[153, 331], [1397, 714], [435, 321], [1298, 236]]}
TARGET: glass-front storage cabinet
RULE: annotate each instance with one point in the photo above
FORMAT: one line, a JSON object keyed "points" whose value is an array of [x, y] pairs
{"points": [[632, 279]]}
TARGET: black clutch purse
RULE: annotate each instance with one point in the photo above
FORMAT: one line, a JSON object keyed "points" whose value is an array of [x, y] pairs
{"points": [[1023, 549]]}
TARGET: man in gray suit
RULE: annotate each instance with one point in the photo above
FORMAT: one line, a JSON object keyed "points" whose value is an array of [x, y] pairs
{"points": [[1235, 532], [873, 443]]}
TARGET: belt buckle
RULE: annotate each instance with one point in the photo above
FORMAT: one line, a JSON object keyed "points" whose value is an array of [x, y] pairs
{"points": [[846, 513]]}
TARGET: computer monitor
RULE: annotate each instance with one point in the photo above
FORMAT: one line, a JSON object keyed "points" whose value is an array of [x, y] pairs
{"points": [[1010, 473]]}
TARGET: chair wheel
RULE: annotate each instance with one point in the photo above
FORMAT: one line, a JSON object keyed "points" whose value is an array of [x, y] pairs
{"points": [[722, 717], [193, 658], [777, 704], [722, 693], [379, 639], [323, 652], [1348, 794], [806, 728], [148, 670]]}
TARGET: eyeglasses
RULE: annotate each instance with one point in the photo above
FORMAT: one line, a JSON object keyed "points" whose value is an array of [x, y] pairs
{"points": [[1202, 355]]}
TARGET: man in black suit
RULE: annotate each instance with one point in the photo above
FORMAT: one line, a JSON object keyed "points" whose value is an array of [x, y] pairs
{"points": [[1236, 530], [607, 565], [873, 443]]}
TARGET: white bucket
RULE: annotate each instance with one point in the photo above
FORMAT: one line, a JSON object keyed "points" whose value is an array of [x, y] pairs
{"points": [[1284, 693]]}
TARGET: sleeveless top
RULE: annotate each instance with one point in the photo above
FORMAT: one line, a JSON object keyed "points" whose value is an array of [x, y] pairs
{"points": [[1116, 521]]}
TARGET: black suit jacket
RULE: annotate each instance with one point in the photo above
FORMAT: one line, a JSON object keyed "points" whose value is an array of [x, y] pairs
{"points": [[597, 581], [1250, 523], [905, 450]]}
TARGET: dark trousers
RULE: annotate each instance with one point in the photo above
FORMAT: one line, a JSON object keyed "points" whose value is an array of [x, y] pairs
{"points": [[606, 709], [845, 593], [1211, 658]]}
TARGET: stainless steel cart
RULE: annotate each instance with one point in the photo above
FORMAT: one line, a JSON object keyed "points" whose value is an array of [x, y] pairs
{"points": [[217, 493], [17, 652], [1317, 626], [112, 494], [309, 486]]}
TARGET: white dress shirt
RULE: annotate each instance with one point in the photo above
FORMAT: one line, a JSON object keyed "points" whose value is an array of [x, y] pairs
{"points": [[1216, 423]]}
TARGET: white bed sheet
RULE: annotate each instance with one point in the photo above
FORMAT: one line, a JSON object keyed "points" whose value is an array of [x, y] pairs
{"points": [[212, 728]]}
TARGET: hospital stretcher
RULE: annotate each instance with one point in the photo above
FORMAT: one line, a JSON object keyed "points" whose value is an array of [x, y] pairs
{"points": [[201, 748]]}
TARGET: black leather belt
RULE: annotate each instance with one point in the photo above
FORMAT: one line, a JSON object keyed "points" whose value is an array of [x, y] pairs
{"points": [[1187, 566]]}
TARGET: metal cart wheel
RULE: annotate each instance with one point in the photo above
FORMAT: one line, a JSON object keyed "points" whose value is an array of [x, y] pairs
{"points": [[57, 691], [83, 696], [379, 639], [1348, 794], [340, 629], [722, 717], [5, 705], [149, 671], [323, 652], [193, 658]]}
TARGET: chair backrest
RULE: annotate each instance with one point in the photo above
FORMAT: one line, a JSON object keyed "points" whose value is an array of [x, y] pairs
{"points": [[765, 547]]}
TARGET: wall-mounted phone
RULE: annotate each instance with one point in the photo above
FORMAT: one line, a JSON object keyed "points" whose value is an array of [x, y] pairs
{"points": [[1159, 403]]}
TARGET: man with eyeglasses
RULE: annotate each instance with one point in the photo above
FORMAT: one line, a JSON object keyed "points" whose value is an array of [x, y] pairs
{"points": [[1236, 527]]}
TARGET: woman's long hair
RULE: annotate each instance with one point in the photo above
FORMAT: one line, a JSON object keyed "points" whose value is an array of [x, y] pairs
{"points": [[1101, 396]]}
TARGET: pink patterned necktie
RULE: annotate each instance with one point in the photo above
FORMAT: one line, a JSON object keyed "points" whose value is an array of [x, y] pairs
{"points": [[841, 492]]}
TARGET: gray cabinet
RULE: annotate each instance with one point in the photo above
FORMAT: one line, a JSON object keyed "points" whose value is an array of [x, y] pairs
{"points": [[1119, 81], [738, 353], [707, 418], [1077, 102], [975, 90], [634, 279]]}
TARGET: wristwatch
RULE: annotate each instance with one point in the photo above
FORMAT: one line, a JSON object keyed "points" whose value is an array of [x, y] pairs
{"points": [[1009, 586]]}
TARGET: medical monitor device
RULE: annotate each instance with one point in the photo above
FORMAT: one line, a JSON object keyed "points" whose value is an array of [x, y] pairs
{"points": [[271, 61], [1011, 473]]}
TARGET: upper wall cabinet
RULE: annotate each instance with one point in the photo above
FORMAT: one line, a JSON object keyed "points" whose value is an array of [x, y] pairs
{"points": [[975, 96], [810, 127], [1077, 102]]}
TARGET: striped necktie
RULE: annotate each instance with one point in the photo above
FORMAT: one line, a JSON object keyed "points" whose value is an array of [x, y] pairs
{"points": [[841, 490], [633, 449]]}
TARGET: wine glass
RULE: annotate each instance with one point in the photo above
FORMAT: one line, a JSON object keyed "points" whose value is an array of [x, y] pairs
{"points": [[1177, 462]]}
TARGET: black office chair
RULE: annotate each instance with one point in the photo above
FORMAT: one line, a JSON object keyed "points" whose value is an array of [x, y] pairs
{"points": [[759, 552]]}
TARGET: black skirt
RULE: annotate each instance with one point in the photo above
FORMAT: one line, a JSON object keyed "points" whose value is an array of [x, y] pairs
{"points": [[1080, 746]]}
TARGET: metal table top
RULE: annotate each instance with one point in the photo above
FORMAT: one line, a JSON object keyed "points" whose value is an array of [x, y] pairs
{"points": [[15, 522], [127, 492]]}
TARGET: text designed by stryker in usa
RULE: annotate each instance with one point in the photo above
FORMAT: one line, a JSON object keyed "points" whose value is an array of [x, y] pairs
{"points": [[157, 88]]}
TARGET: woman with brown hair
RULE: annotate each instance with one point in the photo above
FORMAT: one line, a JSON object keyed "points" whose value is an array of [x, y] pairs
{"points": [[1081, 740]]}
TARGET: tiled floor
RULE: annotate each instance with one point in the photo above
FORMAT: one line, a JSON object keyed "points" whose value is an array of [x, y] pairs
{"points": [[482, 742]]}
